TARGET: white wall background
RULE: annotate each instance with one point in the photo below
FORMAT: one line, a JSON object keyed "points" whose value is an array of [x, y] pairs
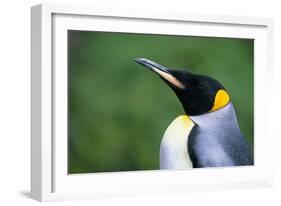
{"points": [[15, 95]]}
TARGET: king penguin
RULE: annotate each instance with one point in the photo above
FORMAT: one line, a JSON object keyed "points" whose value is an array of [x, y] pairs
{"points": [[208, 134]]}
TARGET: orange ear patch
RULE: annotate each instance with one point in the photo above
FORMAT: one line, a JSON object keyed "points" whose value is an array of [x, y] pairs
{"points": [[222, 98]]}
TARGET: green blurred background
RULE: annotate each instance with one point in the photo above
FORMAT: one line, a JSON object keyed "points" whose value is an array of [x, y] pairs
{"points": [[118, 111]]}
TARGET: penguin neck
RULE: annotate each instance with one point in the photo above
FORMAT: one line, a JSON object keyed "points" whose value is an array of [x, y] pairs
{"points": [[225, 116]]}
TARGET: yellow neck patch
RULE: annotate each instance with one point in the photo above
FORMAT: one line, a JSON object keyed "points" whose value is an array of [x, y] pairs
{"points": [[185, 120], [222, 98]]}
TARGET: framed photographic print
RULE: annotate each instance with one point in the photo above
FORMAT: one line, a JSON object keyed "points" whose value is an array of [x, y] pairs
{"points": [[137, 102]]}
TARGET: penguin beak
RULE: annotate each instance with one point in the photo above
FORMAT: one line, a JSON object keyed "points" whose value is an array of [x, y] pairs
{"points": [[162, 71]]}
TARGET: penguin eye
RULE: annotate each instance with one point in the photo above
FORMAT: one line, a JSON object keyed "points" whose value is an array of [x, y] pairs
{"points": [[200, 86]]}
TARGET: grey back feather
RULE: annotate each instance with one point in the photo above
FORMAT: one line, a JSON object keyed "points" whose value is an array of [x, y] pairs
{"points": [[216, 140]]}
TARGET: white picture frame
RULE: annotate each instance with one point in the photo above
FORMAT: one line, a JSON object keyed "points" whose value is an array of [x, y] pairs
{"points": [[49, 178]]}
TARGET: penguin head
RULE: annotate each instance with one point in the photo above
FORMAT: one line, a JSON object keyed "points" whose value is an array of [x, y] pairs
{"points": [[198, 94]]}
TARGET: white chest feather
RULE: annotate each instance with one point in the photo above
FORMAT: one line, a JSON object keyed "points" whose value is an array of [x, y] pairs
{"points": [[173, 149]]}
